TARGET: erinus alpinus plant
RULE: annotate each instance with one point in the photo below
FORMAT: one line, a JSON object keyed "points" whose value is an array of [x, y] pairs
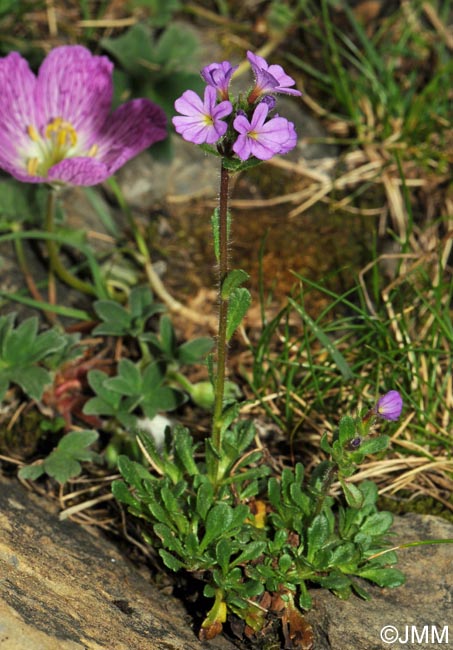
{"points": [[256, 539]]}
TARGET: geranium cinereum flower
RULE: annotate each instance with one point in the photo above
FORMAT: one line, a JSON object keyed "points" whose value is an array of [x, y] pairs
{"points": [[389, 406], [263, 139], [202, 120], [57, 126]]}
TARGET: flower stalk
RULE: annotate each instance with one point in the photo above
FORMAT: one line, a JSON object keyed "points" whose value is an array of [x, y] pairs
{"points": [[56, 265], [219, 386]]}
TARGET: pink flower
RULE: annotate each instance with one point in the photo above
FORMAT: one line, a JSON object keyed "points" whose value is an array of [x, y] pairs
{"points": [[218, 75], [263, 139], [389, 406], [57, 126], [201, 121], [269, 79]]}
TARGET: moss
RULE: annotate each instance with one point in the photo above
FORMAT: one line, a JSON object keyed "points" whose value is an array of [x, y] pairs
{"points": [[423, 505]]}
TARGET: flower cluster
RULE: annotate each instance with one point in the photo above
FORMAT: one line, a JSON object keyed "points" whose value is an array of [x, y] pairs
{"points": [[252, 129], [57, 127]]}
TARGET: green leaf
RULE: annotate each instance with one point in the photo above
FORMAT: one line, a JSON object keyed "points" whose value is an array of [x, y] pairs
{"points": [[205, 498], [167, 336], [133, 473], [122, 494], [390, 578], [22, 346], [223, 551], [133, 49], [195, 351], [374, 445], [239, 302], [233, 280], [317, 535], [342, 554], [97, 379], [252, 551], [117, 320], [185, 449], [305, 600], [21, 202], [347, 429], [153, 375], [175, 47], [334, 581], [353, 495], [215, 233], [161, 10], [128, 380], [170, 561], [168, 538], [31, 379], [377, 524], [75, 443], [140, 300], [63, 462], [217, 523], [62, 467], [162, 399], [31, 472]]}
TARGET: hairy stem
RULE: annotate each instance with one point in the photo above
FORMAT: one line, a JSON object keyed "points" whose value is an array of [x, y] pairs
{"points": [[56, 265], [221, 356]]}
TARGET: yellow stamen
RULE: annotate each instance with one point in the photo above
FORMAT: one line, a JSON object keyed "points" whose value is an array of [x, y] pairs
{"points": [[33, 133], [58, 141], [32, 166], [61, 132]]}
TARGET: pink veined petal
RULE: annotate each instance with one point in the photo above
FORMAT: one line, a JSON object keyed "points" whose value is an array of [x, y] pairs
{"points": [[18, 172], [17, 109], [76, 86], [291, 141], [278, 73], [194, 131], [133, 127], [79, 171], [277, 127], [222, 110], [262, 151], [242, 125], [259, 116], [189, 103], [242, 147], [256, 60]]}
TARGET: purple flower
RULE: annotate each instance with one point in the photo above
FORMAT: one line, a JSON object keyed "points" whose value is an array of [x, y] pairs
{"points": [[389, 406], [201, 121], [269, 79], [218, 75], [57, 126], [263, 139]]}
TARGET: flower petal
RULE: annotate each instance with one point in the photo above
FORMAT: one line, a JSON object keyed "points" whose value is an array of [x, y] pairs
{"points": [[189, 103], [77, 86], [79, 171], [133, 127], [17, 110]]}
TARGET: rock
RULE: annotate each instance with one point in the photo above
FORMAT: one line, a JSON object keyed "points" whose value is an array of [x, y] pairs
{"points": [[421, 609], [64, 588]]}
